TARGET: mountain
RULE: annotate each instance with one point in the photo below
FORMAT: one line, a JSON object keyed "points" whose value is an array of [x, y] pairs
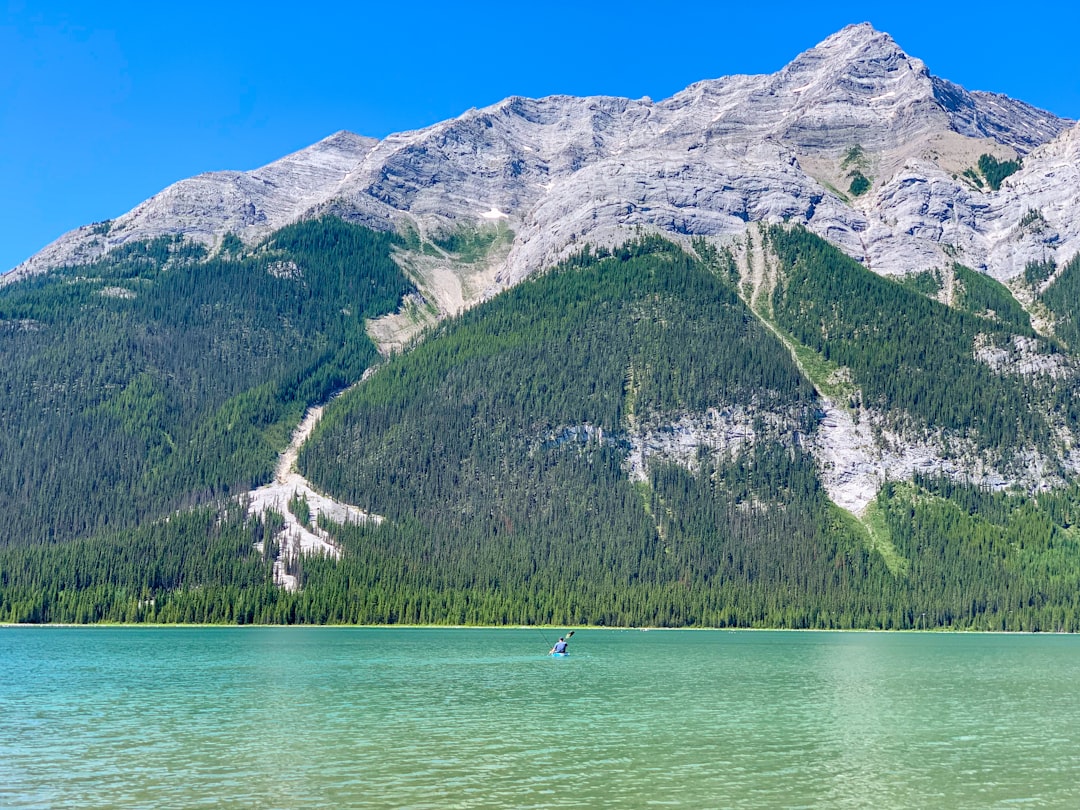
{"points": [[560, 170], [786, 350]]}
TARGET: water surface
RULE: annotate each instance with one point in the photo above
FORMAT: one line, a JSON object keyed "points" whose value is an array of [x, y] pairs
{"points": [[437, 718]]}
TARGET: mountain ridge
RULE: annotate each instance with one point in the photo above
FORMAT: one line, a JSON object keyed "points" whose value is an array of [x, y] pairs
{"points": [[535, 179], [705, 162]]}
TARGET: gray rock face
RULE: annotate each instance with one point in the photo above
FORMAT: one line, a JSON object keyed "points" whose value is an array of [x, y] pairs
{"points": [[991, 115], [208, 206], [709, 160]]}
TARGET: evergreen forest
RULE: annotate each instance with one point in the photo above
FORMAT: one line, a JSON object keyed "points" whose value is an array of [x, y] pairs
{"points": [[160, 378], [497, 449], [914, 357]]}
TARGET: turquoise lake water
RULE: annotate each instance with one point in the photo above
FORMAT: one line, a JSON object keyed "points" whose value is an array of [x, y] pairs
{"points": [[444, 718]]}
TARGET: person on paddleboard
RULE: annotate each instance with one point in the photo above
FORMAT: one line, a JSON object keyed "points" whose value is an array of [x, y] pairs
{"points": [[559, 648]]}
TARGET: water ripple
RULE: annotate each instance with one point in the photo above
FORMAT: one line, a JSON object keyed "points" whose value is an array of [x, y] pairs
{"points": [[315, 718]]}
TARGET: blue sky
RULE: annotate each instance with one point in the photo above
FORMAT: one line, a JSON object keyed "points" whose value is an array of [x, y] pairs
{"points": [[104, 104]]}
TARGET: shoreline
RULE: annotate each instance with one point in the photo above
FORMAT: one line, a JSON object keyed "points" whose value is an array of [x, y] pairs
{"points": [[553, 628]]}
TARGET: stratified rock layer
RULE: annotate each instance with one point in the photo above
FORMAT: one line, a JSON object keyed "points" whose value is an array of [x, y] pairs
{"points": [[707, 161]]}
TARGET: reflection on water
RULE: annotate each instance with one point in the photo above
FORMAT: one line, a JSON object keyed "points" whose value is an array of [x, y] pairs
{"points": [[316, 717]]}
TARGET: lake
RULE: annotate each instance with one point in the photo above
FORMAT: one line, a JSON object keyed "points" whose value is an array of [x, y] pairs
{"points": [[463, 718]]}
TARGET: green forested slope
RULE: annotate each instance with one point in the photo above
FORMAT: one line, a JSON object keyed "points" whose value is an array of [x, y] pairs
{"points": [[1062, 298], [200, 565], [986, 297], [641, 334], [501, 509], [157, 378], [496, 450], [913, 357], [991, 561]]}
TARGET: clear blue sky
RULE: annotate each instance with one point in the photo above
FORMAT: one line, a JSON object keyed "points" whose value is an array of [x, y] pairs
{"points": [[104, 104]]}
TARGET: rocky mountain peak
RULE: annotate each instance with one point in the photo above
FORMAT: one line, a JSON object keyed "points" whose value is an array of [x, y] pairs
{"points": [[560, 171], [856, 87], [860, 48]]}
